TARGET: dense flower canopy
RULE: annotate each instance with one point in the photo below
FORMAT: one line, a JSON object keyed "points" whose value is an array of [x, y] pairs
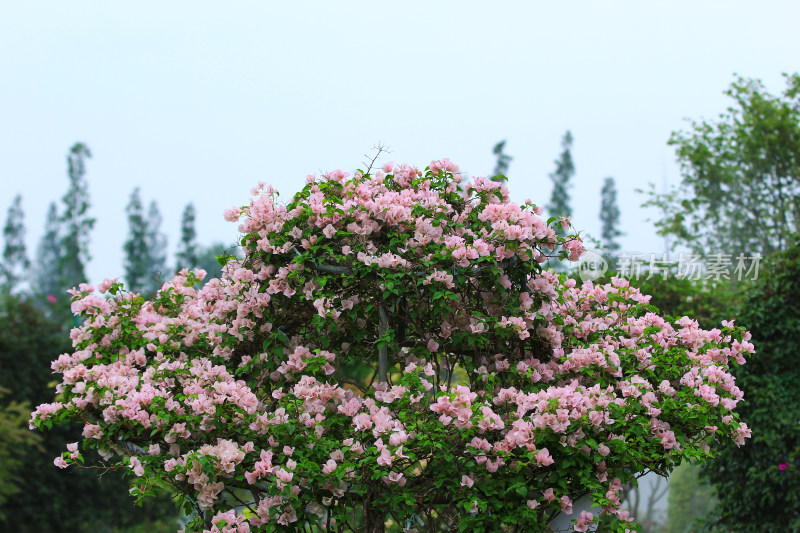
{"points": [[498, 393]]}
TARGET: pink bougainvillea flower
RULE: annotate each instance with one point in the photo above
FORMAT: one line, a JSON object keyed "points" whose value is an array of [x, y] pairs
{"points": [[388, 339]]}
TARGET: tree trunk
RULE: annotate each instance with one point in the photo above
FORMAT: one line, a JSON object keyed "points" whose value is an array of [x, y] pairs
{"points": [[374, 519]]}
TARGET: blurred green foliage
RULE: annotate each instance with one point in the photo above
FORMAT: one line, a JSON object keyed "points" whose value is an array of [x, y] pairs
{"points": [[15, 440], [708, 302], [758, 484], [739, 190], [37, 496], [689, 498]]}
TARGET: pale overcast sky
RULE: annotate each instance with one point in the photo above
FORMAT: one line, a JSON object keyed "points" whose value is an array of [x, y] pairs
{"points": [[198, 101]]}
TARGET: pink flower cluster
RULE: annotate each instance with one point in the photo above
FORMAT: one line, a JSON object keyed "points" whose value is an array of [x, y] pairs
{"points": [[481, 369]]}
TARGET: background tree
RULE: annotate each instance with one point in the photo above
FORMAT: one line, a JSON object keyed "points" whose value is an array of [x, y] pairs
{"points": [[137, 252], [706, 301], [207, 258], [739, 191], [48, 253], [15, 258], [609, 216], [187, 246], [690, 498], [758, 485], [76, 220], [156, 248], [503, 160], [193, 255], [643, 499], [559, 199], [45, 498], [15, 439]]}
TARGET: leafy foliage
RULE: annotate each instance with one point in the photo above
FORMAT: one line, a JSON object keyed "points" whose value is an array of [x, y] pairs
{"points": [[46, 279], [39, 497], [559, 205], [187, 256], [15, 439], [740, 192], [192, 255], [501, 393], [708, 302], [156, 248], [75, 220], [609, 217], [145, 249], [758, 485], [503, 160], [15, 261], [137, 251]]}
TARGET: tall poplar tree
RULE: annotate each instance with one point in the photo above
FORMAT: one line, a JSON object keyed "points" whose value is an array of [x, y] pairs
{"points": [[207, 259], [187, 247], [15, 257], [47, 280], [503, 160], [76, 220], [609, 216], [156, 248], [137, 252], [565, 169]]}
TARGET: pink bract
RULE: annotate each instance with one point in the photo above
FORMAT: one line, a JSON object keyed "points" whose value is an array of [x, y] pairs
{"points": [[487, 379]]}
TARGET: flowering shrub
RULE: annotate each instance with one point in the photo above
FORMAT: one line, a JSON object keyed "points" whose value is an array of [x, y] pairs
{"points": [[500, 394]]}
